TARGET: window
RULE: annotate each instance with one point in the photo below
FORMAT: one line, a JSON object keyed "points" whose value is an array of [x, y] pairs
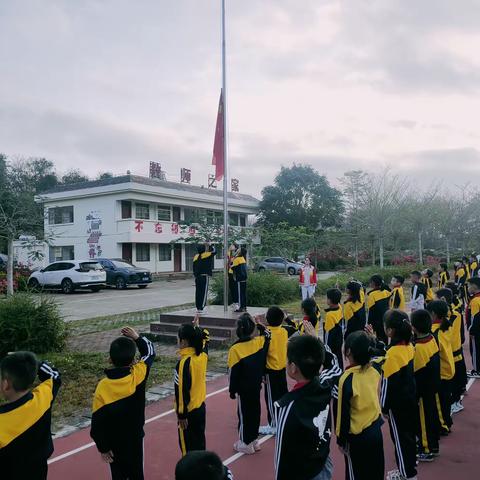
{"points": [[164, 252], [219, 255], [243, 220], [126, 209], [143, 252], [233, 219], [164, 213], [61, 253], [142, 211], [60, 215]]}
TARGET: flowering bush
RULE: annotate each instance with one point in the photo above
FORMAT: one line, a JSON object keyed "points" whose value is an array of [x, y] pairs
{"points": [[404, 260], [20, 280]]}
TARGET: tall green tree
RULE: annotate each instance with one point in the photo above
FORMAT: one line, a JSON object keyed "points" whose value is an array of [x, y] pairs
{"points": [[74, 176], [301, 197]]}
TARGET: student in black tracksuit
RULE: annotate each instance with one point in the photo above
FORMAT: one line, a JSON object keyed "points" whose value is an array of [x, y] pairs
{"points": [[239, 267], [119, 406], [25, 418], [418, 292], [398, 393], [246, 362], [378, 303], [190, 380], [232, 251], [202, 271], [354, 309], [302, 443], [443, 275], [359, 420], [333, 324], [426, 364], [200, 465]]}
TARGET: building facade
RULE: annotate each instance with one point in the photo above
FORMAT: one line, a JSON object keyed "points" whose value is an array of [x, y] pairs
{"points": [[151, 223]]}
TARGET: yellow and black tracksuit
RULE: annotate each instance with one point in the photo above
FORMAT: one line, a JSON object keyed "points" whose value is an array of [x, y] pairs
{"points": [[378, 303], [397, 299], [355, 316], [473, 325], [25, 429], [190, 379], [359, 423], [474, 269], [429, 286], [246, 362], [459, 380], [461, 282], [239, 267], [426, 365], [447, 372], [275, 373], [119, 414], [297, 326], [443, 278], [333, 331], [399, 402], [202, 271]]}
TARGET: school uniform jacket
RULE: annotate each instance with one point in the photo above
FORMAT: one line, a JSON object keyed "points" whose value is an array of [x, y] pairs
{"points": [[474, 269], [297, 326], [397, 299], [358, 403], [333, 328], [190, 379], [119, 402], [419, 295], [239, 268], [246, 363], [444, 341], [377, 303], [426, 365], [398, 382], [429, 287], [354, 315], [458, 334], [443, 278], [460, 277], [25, 438], [203, 262], [312, 276], [304, 425], [473, 315], [277, 350]]}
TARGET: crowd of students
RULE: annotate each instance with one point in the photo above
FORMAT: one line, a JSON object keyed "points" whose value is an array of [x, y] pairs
{"points": [[407, 370]]}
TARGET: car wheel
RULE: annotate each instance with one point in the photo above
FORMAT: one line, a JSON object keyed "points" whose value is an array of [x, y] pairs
{"points": [[120, 283], [95, 289], [142, 286], [261, 269], [291, 271], [34, 285], [67, 286]]}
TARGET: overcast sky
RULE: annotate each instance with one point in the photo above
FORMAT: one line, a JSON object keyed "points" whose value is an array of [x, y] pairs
{"points": [[114, 84]]}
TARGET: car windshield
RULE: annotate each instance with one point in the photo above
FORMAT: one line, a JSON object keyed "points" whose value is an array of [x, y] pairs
{"points": [[88, 266], [120, 264]]}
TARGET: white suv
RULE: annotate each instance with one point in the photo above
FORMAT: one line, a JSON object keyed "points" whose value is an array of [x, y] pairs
{"points": [[69, 275]]}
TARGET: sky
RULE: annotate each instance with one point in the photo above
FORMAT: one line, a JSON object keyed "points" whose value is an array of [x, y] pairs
{"points": [[110, 85]]}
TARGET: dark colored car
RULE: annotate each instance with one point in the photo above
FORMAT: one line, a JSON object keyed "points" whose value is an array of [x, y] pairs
{"points": [[121, 273]]}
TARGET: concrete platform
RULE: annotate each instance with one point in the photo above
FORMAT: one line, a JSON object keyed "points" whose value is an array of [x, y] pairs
{"points": [[220, 324]]}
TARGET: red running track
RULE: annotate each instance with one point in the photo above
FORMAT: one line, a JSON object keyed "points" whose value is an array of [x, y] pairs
{"points": [[459, 451]]}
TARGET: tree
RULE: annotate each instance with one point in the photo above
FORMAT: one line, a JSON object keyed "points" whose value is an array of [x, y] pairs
{"points": [[104, 175], [301, 197], [74, 176]]}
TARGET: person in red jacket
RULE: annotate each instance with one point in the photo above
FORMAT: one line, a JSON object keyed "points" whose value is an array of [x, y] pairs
{"points": [[308, 280]]}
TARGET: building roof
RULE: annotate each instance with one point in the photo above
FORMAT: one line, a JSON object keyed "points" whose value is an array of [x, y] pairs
{"points": [[154, 182]]}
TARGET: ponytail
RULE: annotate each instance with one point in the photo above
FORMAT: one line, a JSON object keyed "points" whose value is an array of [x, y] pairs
{"points": [[193, 336], [398, 321], [354, 288], [245, 326], [360, 346], [310, 307], [379, 283]]}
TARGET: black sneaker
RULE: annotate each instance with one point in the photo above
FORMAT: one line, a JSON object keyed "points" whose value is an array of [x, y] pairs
{"points": [[426, 457], [473, 374]]}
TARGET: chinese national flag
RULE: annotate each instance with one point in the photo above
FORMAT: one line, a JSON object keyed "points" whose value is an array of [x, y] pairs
{"points": [[218, 153]]}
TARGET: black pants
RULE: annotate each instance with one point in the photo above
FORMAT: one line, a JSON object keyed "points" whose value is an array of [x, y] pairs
{"points": [[242, 295], [365, 459], [275, 388], [459, 380], [445, 397], [128, 461], [26, 470], [193, 437], [248, 410], [201, 291], [428, 423], [475, 351], [232, 286], [403, 432]]}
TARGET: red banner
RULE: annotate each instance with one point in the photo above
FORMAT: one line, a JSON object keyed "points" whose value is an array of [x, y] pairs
{"points": [[218, 150]]}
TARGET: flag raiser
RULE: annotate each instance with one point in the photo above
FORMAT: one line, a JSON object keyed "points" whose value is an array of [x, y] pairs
{"points": [[218, 146]]}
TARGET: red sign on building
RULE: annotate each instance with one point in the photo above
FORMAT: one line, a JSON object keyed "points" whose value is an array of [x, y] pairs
{"points": [[138, 225]]}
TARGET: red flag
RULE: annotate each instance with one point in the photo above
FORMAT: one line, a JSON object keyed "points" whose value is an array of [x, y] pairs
{"points": [[218, 158]]}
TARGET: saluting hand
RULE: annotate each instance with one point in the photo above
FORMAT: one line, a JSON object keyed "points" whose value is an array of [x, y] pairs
{"points": [[107, 457], [130, 333], [309, 329]]}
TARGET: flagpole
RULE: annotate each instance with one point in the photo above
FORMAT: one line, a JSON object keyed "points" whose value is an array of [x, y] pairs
{"points": [[225, 167]]}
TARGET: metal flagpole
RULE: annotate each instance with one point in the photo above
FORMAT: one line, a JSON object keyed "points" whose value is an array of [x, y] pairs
{"points": [[225, 165]]}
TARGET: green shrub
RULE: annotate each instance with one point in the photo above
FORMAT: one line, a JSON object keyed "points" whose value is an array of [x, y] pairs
{"points": [[31, 323], [263, 289]]}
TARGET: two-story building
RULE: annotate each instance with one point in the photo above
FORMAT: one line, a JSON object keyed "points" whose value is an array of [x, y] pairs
{"points": [[146, 221]]}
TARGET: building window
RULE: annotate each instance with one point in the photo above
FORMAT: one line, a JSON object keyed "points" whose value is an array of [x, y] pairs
{"points": [[126, 209], [164, 252], [233, 219], [62, 253], [143, 252], [164, 213], [60, 215], [243, 220], [219, 249], [142, 211]]}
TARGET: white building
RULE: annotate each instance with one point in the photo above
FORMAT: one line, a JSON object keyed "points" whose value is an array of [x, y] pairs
{"points": [[139, 219]]}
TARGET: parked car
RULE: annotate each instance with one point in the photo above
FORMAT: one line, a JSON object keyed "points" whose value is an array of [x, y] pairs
{"points": [[279, 264], [69, 275], [121, 273]]}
